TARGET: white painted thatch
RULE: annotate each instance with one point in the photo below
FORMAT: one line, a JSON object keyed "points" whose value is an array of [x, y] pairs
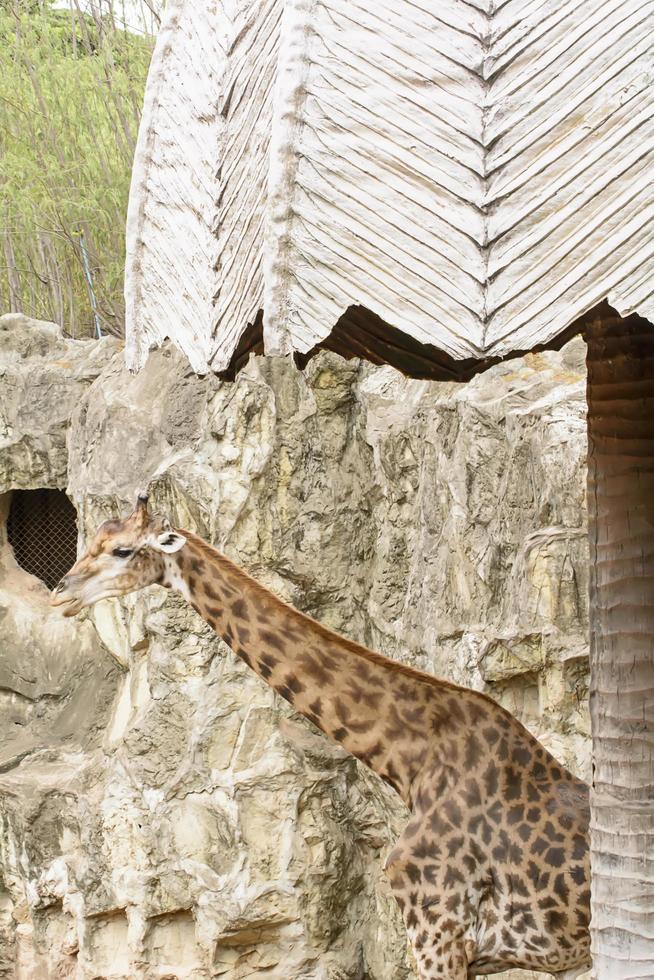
{"points": [[475, 173]]}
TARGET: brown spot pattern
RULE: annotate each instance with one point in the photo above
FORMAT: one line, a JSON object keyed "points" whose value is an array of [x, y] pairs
{"points": [[495, 847]]}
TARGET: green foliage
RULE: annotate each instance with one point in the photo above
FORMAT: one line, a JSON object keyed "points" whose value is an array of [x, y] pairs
{"points": [[71, 88]]}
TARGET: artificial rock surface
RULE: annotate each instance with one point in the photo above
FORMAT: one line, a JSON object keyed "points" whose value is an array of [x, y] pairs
{"points": [[188, 824]]}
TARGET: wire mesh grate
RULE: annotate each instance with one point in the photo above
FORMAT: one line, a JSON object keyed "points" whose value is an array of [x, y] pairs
{"points": [[42, 530]]}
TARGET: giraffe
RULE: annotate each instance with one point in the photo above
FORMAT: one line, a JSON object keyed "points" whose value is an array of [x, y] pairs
{"points": [[492, 870]]}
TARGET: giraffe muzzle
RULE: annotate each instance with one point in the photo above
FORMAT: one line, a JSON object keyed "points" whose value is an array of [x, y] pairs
{"points": [[60, 586], [62, 596]]}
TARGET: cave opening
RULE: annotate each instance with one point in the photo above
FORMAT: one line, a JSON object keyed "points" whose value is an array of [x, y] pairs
{"points": [[42, 531]]}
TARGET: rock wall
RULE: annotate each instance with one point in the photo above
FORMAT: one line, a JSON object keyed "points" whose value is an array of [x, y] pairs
{"points": [[190, 825]]}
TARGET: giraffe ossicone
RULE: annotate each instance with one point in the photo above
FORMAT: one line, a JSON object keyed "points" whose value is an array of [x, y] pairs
{"points": [[492, 870]]}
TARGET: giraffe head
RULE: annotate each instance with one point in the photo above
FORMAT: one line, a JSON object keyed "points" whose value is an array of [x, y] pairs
{"points": [[124, 556]]}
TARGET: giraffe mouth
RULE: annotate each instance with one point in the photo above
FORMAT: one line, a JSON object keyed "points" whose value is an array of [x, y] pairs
{"points": [[68, 605], [73, 607], [72, 602]]}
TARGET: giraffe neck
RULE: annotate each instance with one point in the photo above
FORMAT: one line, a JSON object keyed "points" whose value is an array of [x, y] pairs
{"points": [[380, 711]]}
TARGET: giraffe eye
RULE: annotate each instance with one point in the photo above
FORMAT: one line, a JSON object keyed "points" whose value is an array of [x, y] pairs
{"points": [[122, 552]]}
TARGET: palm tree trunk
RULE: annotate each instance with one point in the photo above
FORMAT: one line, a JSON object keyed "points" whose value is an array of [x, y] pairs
{"points": [[621, 528]]}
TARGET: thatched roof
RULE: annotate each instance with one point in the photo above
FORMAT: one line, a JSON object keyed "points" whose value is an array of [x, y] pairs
{"points": [[474, 179]]}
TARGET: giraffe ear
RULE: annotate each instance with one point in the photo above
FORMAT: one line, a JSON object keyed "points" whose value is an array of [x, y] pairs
{"points": [[169, 542]]}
